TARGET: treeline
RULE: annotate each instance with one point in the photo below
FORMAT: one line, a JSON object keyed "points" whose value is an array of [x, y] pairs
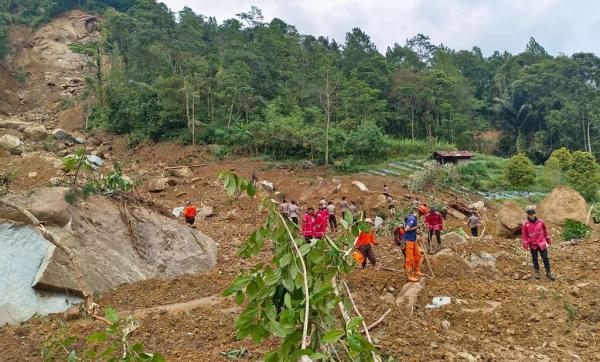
{"points": [[263, 88]]}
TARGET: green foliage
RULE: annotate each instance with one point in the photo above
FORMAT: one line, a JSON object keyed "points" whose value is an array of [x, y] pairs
{"points": [[76, 163], [596, 213], [519, 171], [112, 344], [553, 171], [564, 157], [584, 175], [575, 230], [473, 173], [433, 177], [297, 293], [571, 312]]}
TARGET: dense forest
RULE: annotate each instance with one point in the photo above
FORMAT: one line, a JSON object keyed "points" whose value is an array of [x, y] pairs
{"points": [[263, 88]]}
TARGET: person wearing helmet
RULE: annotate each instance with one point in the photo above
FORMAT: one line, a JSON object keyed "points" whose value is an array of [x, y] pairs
{"points": [[189, 212], [412, 260], [435, 225], [364, 244], [535, 238]]}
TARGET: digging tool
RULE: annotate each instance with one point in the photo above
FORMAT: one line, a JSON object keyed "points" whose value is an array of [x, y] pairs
{"points": [[427, 260]]}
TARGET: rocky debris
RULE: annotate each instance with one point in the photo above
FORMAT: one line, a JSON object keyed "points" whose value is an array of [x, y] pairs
{"points": [[181, 172], [361, 186], [71, 314], [11, 144], [456, 214], [561, 204], [375, 201], [112, 244], [62, 135], [445, 325], [158, 184], [465, 356], [483, 259], [95, 161], [232, 215], [267, 185], [36, 132], [204, 212], [388, 299], [13, 123], [409, 294], [49, 207], [453, 239], [509, 220], [479, 206], [32, 174]]}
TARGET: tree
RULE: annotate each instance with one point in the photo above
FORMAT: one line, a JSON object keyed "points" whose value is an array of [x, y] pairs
{"points": [[584, 175], [519, 171]]}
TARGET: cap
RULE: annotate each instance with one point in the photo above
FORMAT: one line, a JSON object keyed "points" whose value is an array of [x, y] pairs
{"points": [[369, 220], [530, 212]]}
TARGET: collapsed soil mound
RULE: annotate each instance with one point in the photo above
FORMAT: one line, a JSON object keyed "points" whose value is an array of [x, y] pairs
{"points": [[113, 242], [561, 204]]}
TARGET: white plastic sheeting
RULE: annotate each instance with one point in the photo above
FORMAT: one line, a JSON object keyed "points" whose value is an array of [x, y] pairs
{"points": [[22, 252]]}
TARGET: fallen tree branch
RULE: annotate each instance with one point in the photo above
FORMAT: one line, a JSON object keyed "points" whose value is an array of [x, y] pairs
{"points": [[87, 294], [377, 322], [427, 260], [375, 356], [391, 269], [480, 236]]}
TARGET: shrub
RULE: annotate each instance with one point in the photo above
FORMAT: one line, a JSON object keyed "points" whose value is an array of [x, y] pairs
{"points": [[584, 175], [553, 172], [575, 230], [564, 157], [519, 171], [473, 173], [433, 176]]}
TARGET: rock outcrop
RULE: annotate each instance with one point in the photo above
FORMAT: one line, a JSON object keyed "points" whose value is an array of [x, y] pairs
{"points": [[510, 218], [112, 243], [561, 204]]}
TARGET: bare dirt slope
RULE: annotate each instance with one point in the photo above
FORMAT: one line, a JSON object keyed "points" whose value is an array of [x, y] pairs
{"points": [[498, 312]]}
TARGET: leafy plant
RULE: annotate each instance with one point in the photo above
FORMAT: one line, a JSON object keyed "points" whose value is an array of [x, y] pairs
{"points": [[295, 296], [575, 230], [584, 175], [519, 171], [433, 177], [112, 344], [76, 163], [571, 314]]}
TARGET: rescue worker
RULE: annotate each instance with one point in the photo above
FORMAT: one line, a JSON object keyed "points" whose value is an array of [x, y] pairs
{"points": [[293, 212], [412, 262], [364, 243], [386, 190], [473, 223], [308, 225], [189, 212], [435, 225], [321, 219], [535, 238], [332, 219], [284, 208], [344, 205], [322, 203], [353, 210]]}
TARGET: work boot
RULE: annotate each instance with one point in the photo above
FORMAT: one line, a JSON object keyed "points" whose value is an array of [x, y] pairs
{"points": [[412, 278], [550, 276], [418, 273], [537, 275]]}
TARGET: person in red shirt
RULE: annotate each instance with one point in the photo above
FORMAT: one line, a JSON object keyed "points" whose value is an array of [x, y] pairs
{"points": [[536, 238], [190, 212], [321, 221], [364, 244], [435, 225], [308, 225]]}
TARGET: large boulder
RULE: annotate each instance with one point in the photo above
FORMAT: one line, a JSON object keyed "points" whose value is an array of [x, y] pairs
{"points": [[36, 132], [561, 204], [11, 144], [182, 172], [46, 204], [158, 184], [375, 201], [112, 244], [510, 219]]}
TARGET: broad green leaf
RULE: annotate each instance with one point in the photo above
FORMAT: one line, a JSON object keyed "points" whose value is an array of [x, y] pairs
{"points": [[304, 249], [111, 315], [354, 322], [287, 300], [97, 337], [277, 330], [288, 283], [344, 224], [284, 260], [239, 297], [138, 348], [317, 356], [333, 335], [68, 341]]}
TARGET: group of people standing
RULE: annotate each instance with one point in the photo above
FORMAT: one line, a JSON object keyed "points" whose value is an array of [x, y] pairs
{"points": [[317, 221]]}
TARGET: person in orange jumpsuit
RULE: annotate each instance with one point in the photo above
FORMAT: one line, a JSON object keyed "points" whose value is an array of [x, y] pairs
{"points": [[190, 212], [364, 244], [412, 260]]}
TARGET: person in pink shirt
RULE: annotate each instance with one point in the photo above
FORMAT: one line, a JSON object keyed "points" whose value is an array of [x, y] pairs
{"points": [[535, 238], [321, 221], [308, 225], [435, 225]]}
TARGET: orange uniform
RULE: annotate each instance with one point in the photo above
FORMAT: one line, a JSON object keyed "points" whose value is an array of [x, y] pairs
{"points": [[190, 212], [365, 239]]}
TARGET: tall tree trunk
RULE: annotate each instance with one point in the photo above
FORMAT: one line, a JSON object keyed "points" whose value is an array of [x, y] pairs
{"points": [[412, 120], [231, 108], [193, 114]]}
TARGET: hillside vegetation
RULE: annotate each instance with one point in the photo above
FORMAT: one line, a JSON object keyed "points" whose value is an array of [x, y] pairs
{"points": [[264, 88]]}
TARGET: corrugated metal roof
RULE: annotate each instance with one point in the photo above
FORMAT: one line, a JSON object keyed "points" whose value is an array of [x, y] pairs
{"points": [[458, 154]]}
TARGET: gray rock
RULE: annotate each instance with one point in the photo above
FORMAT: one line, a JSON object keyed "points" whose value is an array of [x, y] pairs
{"points": [[465, 356], [158, 184], [12, 144], [36, 132], [61, 135], [445, 325]]}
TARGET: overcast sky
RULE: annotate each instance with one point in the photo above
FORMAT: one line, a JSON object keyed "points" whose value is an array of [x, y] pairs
{"points": [[561, 26]]}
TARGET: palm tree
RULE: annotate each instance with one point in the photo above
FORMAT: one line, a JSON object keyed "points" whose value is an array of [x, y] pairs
{"points": [[517, 114]]}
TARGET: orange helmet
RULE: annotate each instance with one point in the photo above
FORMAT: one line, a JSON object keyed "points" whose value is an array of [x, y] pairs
{"points": [[422, 209]]}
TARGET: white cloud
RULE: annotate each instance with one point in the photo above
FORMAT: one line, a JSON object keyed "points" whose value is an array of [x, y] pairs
{"points": [[559, 25]]}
